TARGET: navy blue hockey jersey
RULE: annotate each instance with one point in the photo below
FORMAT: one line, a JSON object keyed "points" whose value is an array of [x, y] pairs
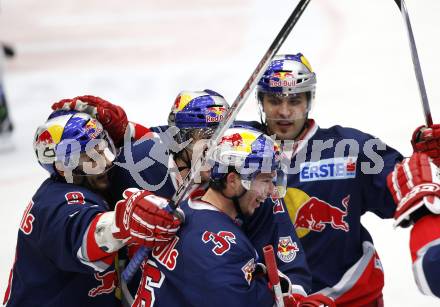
{"points": [[209, 263], [335, 176], [427, 270], [148, 164], [51, 266]]}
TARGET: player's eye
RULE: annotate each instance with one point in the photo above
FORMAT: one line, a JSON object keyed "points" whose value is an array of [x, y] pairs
{"points": [[295, 101], [274, 101]]}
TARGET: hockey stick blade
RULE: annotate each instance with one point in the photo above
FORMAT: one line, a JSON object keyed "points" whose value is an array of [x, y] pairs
{"points": [[250, 84], [416, 62]]}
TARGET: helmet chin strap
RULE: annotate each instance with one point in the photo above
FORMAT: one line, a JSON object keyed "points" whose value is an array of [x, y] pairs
{"points": [[240, 218]]}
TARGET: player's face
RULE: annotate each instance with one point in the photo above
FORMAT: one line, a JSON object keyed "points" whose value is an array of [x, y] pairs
{"points": [[261, 188], [94, 165], [285, 116], [199, 147]]}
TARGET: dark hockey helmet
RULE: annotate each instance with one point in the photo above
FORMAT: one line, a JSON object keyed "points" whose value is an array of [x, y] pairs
{"points": [[197, 112], [67, 134]]}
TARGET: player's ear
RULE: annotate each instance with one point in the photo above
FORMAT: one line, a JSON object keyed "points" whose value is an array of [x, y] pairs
{"points": [[232, 180]]}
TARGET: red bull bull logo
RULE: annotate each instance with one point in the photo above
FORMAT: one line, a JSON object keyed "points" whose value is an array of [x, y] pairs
{"points": [[177, 103], [282, 79], [234, 140], [45, 138], [108, 282], [315, 214], [287, 249]]}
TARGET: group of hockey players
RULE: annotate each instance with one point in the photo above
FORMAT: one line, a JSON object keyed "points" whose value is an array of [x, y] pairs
{"points": [[303, 192]]}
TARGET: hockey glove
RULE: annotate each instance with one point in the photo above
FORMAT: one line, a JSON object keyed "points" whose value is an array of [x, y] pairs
{"points": [[427, 140], [140, 219], [112, 117], [415, 186]]}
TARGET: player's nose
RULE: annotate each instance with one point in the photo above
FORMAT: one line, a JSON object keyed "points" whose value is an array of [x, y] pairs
{"points": [[284, 109]]}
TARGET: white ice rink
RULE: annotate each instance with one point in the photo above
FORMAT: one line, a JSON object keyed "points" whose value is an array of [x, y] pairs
{"points": [[140, 54]]}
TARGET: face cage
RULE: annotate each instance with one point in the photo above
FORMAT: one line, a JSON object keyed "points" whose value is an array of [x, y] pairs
{"points": [[107, 153], [194, 134]]}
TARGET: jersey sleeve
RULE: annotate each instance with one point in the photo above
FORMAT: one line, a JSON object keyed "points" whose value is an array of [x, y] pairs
{"points": [[61, 221], [425, 252], [377, 161], [224, 270], [144, 165], [271, 224]]}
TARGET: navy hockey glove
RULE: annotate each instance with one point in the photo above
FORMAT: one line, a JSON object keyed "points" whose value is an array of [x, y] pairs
{"points": [[415, 186], [427, 140]]}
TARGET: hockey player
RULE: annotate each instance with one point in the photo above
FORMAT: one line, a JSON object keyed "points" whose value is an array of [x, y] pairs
{"points": [[69, 235], [415, 185], [211, 262], [335, 176], [164, 161], [6, 126]]}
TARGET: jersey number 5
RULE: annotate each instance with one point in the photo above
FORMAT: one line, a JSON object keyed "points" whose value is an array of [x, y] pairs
{"points": [[152, 278]]}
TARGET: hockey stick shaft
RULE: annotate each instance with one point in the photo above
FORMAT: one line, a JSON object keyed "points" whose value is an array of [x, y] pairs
{"points": [[238, 103], [241, 98], [272, 273], [416, 62]]}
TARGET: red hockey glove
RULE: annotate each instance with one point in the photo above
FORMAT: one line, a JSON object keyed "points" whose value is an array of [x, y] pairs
{"points": [[427, 140], [112, 117], [314, 300], [415, 186], [140, 218]]}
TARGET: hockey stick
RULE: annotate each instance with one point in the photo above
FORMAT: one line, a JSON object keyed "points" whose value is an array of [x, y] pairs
{"points": [[272, 273], [416, 62], [250, 84]]}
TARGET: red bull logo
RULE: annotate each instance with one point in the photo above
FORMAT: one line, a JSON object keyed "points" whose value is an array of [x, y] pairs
{"points": [[234, 140], [177, 103], [287, 249], [45, 138], [93, 129], [315, 214], [248, 270], [215, 114], [282, 79], [108, 282]]}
